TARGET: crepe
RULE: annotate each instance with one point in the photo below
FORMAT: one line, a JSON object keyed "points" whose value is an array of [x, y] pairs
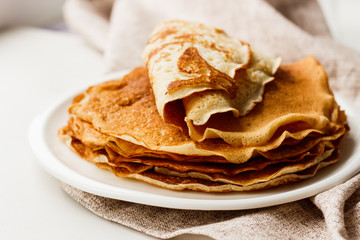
{"points": [[247, 180], [87, 134], [79, 142], [197, 71], [210, 177], [300, 94], [296, 105], [180, 183]]}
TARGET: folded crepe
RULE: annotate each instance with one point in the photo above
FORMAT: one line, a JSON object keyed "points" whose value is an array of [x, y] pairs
{"points": [[298, 104], [78, 134], [197, 72], [198, 184], [89, 136], [210, 177]]}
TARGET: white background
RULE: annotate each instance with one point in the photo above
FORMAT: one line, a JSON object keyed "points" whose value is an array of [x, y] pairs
{"points": [[33, 75]]}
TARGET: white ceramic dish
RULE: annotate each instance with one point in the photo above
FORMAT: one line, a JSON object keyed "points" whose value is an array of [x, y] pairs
{"points": [[65, 165]]}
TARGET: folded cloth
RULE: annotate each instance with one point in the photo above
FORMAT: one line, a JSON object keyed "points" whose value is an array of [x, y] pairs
{"points": [[291, 29], [297, 220]]}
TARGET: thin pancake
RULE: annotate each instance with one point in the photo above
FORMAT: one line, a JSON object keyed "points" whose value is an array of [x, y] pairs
{"points": [[125, 109], [255, 176], [251, 172], [198, 64], [299, 93], [179, 183], [83, 131]]}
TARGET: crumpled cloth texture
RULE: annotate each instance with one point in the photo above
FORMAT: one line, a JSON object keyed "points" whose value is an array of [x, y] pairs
{"points": [[291, 29]]}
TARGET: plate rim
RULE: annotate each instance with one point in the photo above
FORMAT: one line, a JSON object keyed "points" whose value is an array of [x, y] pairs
{"points": [[54, 166]]}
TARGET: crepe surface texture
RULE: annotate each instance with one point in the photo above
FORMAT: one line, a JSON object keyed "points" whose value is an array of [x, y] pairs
{"points": [[197, 71], [293, 132]]}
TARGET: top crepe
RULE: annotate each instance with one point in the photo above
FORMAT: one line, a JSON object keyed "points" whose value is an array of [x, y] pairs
{"points": [[198, 71]]}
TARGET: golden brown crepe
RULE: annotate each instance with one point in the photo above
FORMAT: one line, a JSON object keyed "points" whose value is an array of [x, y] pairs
{"points": [[86, 133], [105, 153], [126, 110], [196, 184], [248, 177], [204, 71]]}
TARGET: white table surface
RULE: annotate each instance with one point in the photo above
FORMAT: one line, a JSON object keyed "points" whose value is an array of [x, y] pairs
{"points": [[33, 75]]}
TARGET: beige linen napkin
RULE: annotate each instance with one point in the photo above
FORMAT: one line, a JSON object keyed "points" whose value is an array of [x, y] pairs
{"points": [[291, 29]]}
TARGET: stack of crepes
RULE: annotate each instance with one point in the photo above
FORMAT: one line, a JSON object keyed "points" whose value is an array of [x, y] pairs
{"points": [[208, 113]]}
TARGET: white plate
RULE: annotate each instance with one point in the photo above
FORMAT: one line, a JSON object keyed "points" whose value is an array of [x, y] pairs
{"points": [[65, 165]]}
